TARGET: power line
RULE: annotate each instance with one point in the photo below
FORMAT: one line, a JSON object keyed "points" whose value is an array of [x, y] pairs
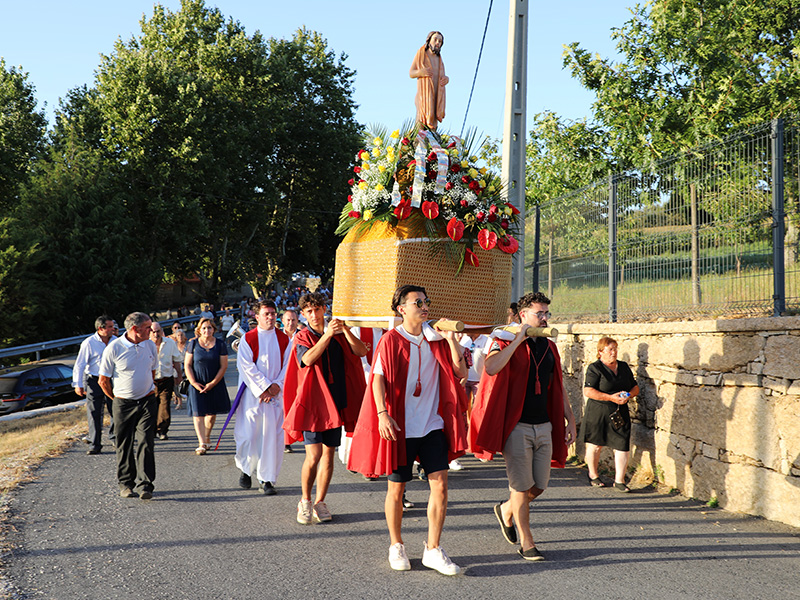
{"points": [[475, 78]]}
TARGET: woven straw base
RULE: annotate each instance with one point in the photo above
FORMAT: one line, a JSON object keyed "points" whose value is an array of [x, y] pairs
{"points": [[370, 270]]}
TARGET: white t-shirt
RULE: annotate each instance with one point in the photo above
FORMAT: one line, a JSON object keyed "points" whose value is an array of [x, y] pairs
{"points": [[422, 414], [227, 322], [130, 367]]}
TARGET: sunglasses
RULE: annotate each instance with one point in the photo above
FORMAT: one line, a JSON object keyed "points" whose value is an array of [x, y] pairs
{"points": [[419, 303]]}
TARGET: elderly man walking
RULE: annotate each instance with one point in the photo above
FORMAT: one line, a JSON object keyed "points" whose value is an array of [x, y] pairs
{"points": [[169, 369], [85, 381], [127, 373]]}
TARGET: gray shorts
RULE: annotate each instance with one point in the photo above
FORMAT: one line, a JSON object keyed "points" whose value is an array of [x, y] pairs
{"points": [[528, 451]]}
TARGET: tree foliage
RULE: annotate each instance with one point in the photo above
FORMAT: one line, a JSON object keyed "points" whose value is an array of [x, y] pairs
{"points": [[691, 71], [22, 131]]}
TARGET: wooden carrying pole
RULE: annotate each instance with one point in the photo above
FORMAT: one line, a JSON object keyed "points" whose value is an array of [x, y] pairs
{"points": [[448, 325]]}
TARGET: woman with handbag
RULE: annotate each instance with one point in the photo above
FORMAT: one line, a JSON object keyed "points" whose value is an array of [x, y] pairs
{"points": [[608, 386], [205, 365]]}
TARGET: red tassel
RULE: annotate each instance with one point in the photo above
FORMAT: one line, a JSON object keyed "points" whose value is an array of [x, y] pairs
{"points": [[330, 379], [418, 389], [538, 388]]}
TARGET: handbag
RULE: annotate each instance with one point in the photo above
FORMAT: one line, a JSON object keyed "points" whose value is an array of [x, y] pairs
{"points": [[183, 387], [617, 421]]}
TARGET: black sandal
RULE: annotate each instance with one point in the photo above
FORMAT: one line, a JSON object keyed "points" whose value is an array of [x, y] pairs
{"points": [[621, 487], [596, 482]]}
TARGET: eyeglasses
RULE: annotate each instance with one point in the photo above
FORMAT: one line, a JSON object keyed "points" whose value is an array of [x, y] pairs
{"points": [[418, 302], [543, 314]]}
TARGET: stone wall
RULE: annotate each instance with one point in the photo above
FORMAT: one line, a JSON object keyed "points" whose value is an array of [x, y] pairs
{"points": [[719, 411]]}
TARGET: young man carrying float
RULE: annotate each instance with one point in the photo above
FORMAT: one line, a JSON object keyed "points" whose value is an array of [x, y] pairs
{"points": [[324, 387], [521, 411], [412, 410]]}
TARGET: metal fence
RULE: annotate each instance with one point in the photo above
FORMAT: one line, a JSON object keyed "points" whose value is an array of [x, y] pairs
{"points": [[713, 232]]}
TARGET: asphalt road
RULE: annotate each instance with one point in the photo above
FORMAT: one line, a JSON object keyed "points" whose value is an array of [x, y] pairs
{"points": [[203, 537]]}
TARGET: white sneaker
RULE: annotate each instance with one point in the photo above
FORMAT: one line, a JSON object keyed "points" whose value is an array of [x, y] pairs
{"points": [[455, 465], [436, 558], [304, 512], [397, 557], [321, 513]]}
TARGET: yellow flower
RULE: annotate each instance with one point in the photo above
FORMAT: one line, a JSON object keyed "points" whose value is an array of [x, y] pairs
{"points": [[368, 215], [507, 210], [377, 141], [364, 155], [473, 173], [390, 152], [376, 152], [491, 188], [482, 170], [381, 168], [365, 166], [379, 187], [482, 183], [473, 158], [453, 152], [464, 164], [395, 134], [362, 185], [469, 218]]}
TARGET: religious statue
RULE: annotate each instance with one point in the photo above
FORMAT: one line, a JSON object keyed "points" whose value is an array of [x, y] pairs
{"points": [[428, 70]]}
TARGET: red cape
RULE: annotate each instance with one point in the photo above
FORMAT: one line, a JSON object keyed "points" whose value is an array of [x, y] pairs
{"points": [[498, 406], [307, 402], [370, 454]]}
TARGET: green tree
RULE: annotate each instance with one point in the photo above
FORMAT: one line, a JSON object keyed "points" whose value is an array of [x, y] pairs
{"points": [[692, 70], [22, 131]]}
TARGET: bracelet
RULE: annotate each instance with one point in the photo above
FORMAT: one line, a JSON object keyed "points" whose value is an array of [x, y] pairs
{"points": [[383, 411]]}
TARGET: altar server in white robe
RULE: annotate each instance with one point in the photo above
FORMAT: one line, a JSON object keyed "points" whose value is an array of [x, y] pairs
{"points": [[261, 358]]}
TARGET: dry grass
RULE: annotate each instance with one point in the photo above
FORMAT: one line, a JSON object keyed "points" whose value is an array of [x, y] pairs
{"points": [[28, 442]]}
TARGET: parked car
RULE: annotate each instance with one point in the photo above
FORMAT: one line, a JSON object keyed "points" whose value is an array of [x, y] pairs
{"points": [[28, 387]]}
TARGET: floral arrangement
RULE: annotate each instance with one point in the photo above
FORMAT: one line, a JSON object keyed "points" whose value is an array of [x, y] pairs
{"points": [[435, 176]]}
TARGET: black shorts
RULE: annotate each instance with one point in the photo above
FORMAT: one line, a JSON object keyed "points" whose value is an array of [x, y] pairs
{"points": [[430, 451], [330, 437]]}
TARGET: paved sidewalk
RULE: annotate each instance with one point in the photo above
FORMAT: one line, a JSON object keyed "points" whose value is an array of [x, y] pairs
{"points": [[203, 537]]}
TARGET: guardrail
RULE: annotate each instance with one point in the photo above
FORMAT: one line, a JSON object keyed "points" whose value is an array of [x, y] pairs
{"points": [[39, 347]]}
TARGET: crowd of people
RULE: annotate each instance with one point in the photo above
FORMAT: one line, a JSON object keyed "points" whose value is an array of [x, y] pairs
{"points": [[387, 400]]}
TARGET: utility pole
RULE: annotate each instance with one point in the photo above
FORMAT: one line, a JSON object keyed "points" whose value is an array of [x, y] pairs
{"points": [[514, 129]]}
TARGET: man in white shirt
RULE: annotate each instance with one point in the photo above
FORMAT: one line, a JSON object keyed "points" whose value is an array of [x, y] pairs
{"points": [[226, 321], [85, 381], [414, 401], [168, 362], [261, 359], [127, 370]]}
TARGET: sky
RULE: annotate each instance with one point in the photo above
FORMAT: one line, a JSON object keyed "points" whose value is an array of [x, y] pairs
{"points": [[59, 45]]}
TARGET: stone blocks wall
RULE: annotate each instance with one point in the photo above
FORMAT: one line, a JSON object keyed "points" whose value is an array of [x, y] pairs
{"points": [[719, 411]]}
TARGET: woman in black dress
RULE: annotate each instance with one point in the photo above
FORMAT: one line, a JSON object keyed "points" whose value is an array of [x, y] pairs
{"points": [[608, 386], [205, 365]]}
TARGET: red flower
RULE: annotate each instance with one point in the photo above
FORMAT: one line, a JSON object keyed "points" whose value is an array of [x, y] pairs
{"points": [[403, 210], [470, 258], [350, 198], [432, 155], [465, 178], [451, 145], [351, 182], [448, 186], [492, 209], [492, 217], [431, 174], [430, 209], [504, 224], [508, 244], [455, 167], [405, 141], [412, 163], [473, 185], [357, 169], [455, 229], [514, 209], [487, 239], [480, 216], [464, 203], [354, 214]]}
